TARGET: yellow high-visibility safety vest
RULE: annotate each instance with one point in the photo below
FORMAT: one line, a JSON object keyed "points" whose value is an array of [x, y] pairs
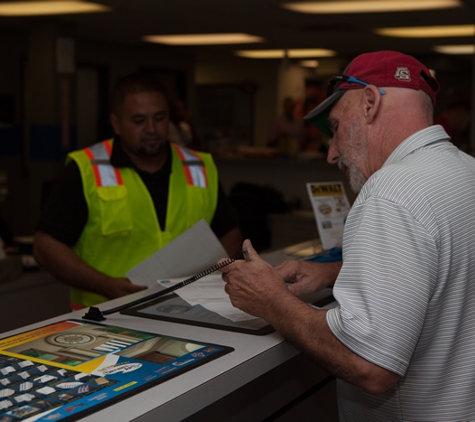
{"points": [[122, 228]]}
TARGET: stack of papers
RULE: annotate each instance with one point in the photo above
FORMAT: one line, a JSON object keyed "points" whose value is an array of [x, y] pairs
{"points": [[209, 293]]}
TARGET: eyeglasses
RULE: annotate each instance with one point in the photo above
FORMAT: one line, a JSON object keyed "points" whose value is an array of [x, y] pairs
{"points": [[338, 79]]}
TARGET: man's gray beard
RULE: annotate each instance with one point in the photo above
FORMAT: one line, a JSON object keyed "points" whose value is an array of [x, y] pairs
{"points": [[355, 177], [357, 144]]}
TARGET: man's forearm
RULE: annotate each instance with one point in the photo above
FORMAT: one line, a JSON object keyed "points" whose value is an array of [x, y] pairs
{"points": [[63, 263], [306, 328]]}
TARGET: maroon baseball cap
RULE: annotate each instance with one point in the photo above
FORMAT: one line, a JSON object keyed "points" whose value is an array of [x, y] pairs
{"points": [[382, 69]]}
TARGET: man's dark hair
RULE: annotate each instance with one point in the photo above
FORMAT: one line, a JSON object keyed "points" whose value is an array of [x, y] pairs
{"points": [[133, 84]]}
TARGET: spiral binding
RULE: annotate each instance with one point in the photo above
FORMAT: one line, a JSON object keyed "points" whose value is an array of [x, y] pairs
{"points": [[192, 279], [207, 271], [97, 315]]}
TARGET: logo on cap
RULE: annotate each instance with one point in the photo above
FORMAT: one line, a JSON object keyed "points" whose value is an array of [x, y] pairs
{"points": [[403, 74]]}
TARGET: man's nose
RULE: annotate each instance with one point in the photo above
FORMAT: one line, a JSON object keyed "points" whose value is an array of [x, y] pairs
{"points": [[333, 155], [150, 127]]}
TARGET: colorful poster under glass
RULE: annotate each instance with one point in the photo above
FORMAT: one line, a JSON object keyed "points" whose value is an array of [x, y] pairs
{"points": [[72, 368]]}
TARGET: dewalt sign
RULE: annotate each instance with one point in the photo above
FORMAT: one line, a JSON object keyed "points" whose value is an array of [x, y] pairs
{"points": [[327, 190]]}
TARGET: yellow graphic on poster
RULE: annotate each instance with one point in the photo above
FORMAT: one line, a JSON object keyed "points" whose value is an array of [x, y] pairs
{"points": [[32, 335], [331, 207], [72, 344]]}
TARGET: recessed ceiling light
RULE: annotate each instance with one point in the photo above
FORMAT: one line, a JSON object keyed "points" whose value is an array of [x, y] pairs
{"points": [[280, 54], [455, 49], [369, 6], [428, 31], [203, 39], [40, 8]]}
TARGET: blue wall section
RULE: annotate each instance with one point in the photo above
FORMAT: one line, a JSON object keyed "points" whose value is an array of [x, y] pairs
{"points": [[10, 140], [45, 143]]}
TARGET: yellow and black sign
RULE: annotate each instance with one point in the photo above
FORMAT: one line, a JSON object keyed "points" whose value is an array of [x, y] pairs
{"points": [[327, 189]]}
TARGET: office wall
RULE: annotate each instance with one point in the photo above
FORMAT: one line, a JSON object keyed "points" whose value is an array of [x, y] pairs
{"points": [[12, 52], [13, 46]]}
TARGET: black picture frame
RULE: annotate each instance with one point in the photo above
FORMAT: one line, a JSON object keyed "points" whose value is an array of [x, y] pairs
{"points": [[172, 308]]}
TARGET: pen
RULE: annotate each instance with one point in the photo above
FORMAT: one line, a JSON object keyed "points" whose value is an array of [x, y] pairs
{"points": [[245, 253]]}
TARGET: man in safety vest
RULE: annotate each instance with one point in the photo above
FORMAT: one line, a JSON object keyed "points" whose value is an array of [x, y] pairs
{"points": [[122, 199]]}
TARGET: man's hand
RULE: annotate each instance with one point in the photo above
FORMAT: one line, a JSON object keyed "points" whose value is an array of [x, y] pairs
{"points": [[253, 285], [308, 277]]}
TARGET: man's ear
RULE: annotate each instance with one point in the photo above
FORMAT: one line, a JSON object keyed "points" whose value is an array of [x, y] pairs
{"points": [[115, 123], [371, 103]]}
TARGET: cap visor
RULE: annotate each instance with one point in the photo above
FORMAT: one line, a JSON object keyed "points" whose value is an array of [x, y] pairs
{"points": [[319, 115]]}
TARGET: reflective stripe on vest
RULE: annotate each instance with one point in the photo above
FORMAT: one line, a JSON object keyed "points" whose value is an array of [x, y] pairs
{"points": [[193, 166], [104, 173]]}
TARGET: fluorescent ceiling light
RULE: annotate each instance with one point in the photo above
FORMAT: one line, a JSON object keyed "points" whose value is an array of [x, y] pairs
{"points": [[203, 39], [39, 8], [280, 54], [369, 6], [428, 31], [309, 63], [455, 49]]}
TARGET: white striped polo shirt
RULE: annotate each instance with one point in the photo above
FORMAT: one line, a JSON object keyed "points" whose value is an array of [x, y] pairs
{"points": [[406, 290]]}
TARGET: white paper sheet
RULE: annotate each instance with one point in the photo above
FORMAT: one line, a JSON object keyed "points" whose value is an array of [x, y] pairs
{"points": [[193, 251], [209, 293]]}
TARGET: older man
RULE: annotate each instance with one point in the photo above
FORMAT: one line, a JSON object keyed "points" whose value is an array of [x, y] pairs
{"points": [[402, 338]]}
